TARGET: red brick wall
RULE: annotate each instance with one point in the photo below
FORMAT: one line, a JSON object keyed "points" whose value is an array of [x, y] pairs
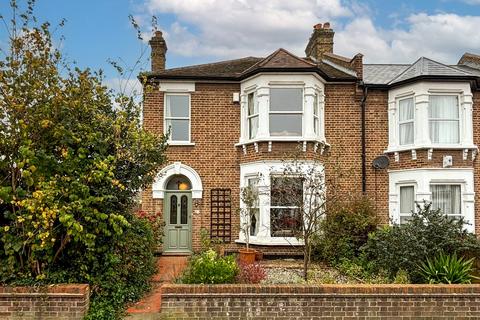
{"points": [[52, 302], [321, 302]]}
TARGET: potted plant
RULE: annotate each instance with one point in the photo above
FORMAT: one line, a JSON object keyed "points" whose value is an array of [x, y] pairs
{"points": [[249, 197]]}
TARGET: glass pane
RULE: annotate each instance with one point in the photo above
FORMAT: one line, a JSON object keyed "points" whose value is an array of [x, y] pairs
{"points": [[407, 199], [315, 105], [405, 219], [252, 106], [315, 125], [285, 124], [179, 182], [285, 222], [443, 107], [254, 222], [286, 99], [179, 130], [406, 109], [184, 210], [173, 210], [447, 198], [177, 106], [286, 192], [252, 127], [444, 131], [406, 133]]}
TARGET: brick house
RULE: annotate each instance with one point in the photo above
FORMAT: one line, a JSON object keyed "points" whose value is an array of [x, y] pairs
{"points": [[233, 121]]}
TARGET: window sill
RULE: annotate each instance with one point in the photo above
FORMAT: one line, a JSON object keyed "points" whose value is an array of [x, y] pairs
{"points": [[432, 146], [273, 241], [282, 139], [179, 144]]}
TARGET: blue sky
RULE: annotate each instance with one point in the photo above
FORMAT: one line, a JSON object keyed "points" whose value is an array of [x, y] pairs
{"points": [[199, 31]]}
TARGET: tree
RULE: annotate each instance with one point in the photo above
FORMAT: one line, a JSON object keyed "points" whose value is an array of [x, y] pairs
{"points": [[74, 155], [298, 202]]}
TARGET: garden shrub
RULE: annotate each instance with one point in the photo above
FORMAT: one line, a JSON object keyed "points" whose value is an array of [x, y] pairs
{"points": [[444, 268], [209, 267], [251, 273], [406, 246], [345, 229]]}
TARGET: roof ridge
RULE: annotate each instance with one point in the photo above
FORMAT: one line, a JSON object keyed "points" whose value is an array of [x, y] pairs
{"points": [[445, 65], [214, 63]]}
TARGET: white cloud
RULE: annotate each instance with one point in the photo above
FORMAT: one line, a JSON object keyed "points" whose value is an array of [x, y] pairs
{"points": [[226, 29], [129, 87]]}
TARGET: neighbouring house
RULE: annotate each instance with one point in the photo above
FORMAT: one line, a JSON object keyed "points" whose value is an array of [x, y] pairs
{"points": [[232, 122]]}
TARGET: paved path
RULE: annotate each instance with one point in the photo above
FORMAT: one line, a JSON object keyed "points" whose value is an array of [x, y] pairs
{"points": [[169, 268]]}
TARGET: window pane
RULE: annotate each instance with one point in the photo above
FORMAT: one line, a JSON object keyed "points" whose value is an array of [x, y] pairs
{"points": [[179, 130], [447, 198], [406, 133], [254, 222], [184, 210], [285, 124], [443, 107], [406, 109], [252, 127], [252, 106], [442, 131], [286, 99], [285, 222], [173, 210], [316, 123], [178, 182], [286, 192], [407, 199], [177, 106], [315, 105]]}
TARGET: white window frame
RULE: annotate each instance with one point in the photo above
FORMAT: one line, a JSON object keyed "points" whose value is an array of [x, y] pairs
{"points": [[316, 117], [189, 118], [461, 185], [406, 121], [301, 112], [404, 214], [459, 119], [248, 178], [251, 116]]}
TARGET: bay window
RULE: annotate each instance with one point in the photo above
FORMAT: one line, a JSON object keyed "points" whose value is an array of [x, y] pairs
{"points": [[447, 198], [254, 213], [444, 119], [286, 111], [286, 195], [177, 117], [406, 126], [316, 115]]}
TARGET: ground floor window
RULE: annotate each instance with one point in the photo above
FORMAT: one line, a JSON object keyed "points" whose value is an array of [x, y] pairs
{"points": [[286, 196], [449, 190]]}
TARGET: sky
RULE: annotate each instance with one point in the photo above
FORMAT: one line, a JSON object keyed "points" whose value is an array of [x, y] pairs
{"points": [[201, 31]]}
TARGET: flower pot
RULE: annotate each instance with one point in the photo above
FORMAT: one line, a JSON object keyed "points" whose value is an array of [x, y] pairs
{"points": [[247, 256]]}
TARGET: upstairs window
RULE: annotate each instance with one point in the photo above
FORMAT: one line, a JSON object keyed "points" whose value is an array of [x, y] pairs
{"points": [[316, 115], [286, 112], [177, 117], [444, 119], [447, 198], [406, 113], [252, 116]]}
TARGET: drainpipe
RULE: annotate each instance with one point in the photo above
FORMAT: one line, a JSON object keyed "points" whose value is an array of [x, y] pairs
{"points": [[364, 144]]}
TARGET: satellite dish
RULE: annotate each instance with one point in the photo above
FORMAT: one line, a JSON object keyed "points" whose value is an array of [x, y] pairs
{"points": [[380, 162]]}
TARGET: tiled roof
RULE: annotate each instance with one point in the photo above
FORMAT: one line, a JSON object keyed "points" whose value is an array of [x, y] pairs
{"points": [[240, 68], [382, 73], [427, 67]]}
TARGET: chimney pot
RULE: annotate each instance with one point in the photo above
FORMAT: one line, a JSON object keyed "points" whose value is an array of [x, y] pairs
{"points": [[317, 26], [321, 41], [326, 25]]}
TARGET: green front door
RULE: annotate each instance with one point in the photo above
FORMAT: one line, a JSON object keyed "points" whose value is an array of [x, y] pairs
{"points": [[178, 216]]}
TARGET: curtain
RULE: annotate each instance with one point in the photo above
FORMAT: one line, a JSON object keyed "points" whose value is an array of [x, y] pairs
{"points": [[447, 198], [405, 117], [444, 119], [407, 199]]}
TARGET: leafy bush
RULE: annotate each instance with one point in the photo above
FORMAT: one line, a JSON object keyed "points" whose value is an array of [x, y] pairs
{"points": [[208, 267], [445, 268], [251, 273], [345, 229], [406, 246]]}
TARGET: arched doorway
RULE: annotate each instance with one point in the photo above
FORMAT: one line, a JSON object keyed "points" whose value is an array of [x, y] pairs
{"points": [[178, 215]]}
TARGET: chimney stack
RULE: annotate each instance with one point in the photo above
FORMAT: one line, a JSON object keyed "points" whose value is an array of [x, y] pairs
{"points": [[159, 51], [321, 41]]}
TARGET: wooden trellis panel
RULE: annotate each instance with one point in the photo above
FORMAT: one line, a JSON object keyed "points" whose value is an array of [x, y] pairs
{"points": [[221, 215]]}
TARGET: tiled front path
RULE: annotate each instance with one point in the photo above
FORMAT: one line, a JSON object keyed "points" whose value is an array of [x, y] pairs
{"points": [[168, 268]]}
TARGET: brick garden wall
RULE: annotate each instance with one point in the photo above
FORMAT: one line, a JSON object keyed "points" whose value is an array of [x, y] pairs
{"points": [[50, 302], [321, 302]]}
